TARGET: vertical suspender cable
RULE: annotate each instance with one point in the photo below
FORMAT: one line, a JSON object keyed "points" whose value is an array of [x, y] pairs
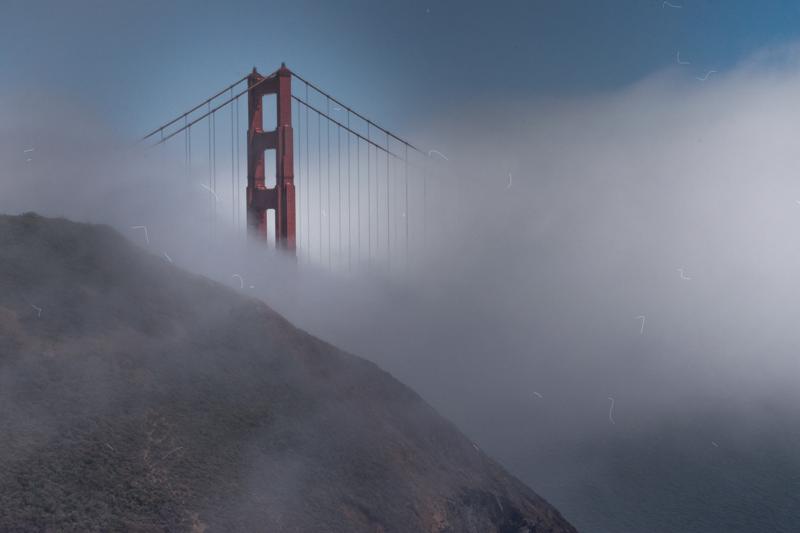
{"points": [[214, 164], [300, 183], [328, 153], [349, 198], [369, 203], [424, 208], [358, 196], [377, 187], [186, 149], [238, 173], [388, 209], [339, 185], [189, 150], [405, 202], [233, 185], [395, 202], [319, 179], [163, 151], [308, 181], [210, 181]]}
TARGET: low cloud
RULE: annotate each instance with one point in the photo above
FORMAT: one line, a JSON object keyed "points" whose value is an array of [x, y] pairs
{"points": [[533, 282]]}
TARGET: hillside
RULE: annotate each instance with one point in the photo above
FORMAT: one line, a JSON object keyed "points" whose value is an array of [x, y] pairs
{"points": [[135, 396]]}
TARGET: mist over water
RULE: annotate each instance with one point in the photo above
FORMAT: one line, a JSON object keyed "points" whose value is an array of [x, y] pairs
{"points": [[519, 322]]}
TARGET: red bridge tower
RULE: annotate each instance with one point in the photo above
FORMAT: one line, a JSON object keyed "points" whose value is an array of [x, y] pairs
{"points": [[281, 197]]}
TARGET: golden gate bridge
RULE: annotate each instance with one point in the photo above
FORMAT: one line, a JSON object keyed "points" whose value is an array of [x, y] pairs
{"points": [[323, 182]]}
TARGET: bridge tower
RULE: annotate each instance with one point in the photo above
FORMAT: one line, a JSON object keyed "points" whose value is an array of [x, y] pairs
{"points": [[280, 198]]}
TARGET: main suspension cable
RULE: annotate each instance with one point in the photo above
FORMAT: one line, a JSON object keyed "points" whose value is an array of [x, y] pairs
{"points": [[192, 110], [359, 115]]}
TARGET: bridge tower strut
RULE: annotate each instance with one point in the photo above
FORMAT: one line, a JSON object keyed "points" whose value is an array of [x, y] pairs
{"points": [[280, 198]]}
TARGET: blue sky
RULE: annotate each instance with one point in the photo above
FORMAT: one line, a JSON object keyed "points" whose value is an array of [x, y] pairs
{"points": [[138, 63]]}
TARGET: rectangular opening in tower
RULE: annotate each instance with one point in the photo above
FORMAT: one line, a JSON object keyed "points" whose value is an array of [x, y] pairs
{"points": [[271, 227], [269, 107], [269, 169]]}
